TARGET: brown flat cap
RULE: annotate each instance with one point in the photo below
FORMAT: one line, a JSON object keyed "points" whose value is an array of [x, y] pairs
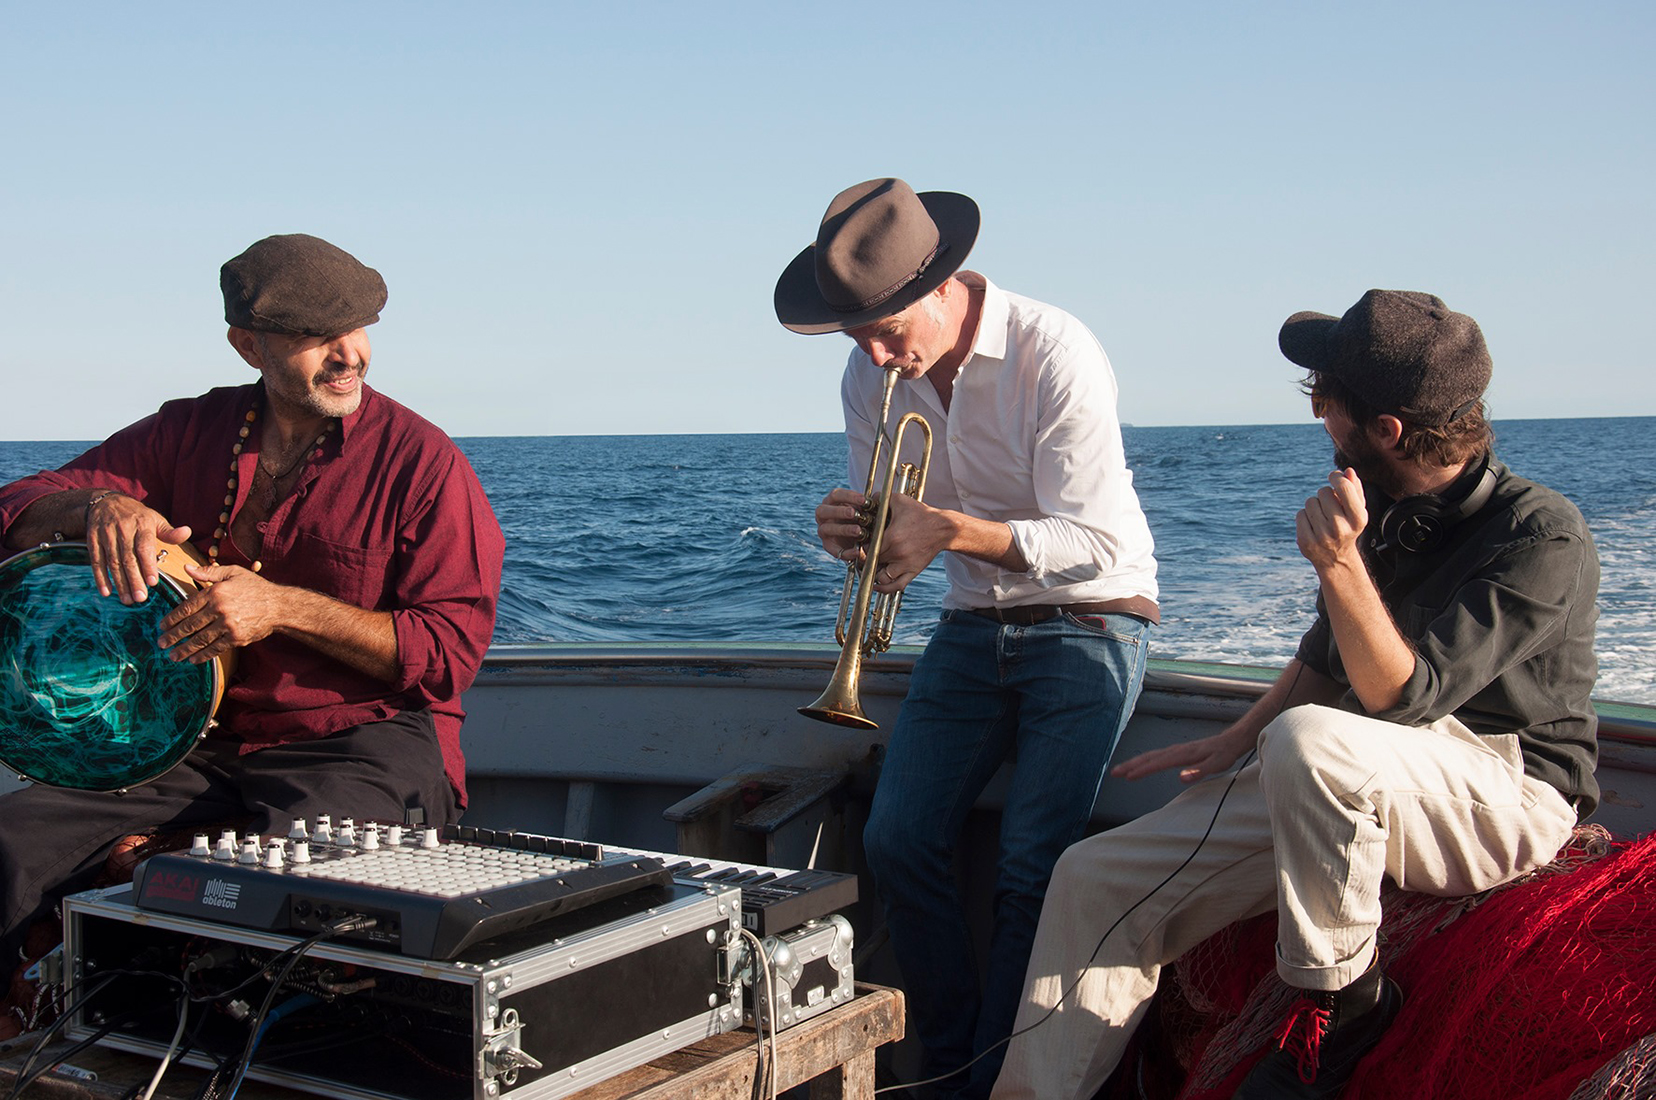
{"points": [[880, 248], [300, 285], [1403, 352]]}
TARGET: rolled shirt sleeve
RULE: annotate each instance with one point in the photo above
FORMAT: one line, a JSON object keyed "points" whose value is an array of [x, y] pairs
{"points": [[1082, 486], [449, 563]]}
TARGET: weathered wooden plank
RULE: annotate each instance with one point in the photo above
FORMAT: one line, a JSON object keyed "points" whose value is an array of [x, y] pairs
{"points": [[834, 1052]]}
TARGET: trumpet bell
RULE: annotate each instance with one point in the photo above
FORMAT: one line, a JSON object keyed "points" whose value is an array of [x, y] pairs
{"points": [[841, 712], [839, 702]]}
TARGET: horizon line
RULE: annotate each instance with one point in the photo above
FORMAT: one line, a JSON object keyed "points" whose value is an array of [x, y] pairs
{"points": [[1496, 421]]}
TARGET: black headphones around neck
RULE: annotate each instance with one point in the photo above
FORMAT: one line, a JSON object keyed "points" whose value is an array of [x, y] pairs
{"points": [[1421, 524]]}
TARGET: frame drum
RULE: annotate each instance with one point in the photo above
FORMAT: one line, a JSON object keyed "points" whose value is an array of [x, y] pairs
{"points": [[87, 698]]}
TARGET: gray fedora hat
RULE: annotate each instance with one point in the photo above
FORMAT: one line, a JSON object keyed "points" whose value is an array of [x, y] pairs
{"points": [[1403, 352], [880, 249]]}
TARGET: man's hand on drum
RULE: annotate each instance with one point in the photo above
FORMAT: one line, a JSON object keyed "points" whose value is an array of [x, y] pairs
{"points": [[124, 540], [233, 608]]}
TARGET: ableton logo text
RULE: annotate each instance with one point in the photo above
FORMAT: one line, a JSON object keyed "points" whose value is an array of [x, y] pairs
{"points": [[221, 894]]}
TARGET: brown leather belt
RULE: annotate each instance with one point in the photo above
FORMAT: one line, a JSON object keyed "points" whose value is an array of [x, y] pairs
{"points": [[1031, 613]]}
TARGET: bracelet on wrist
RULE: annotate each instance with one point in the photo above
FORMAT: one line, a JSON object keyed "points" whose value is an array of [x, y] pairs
{"points": [[86, 521]]}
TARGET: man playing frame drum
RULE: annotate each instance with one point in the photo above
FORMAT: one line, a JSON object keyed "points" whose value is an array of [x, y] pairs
{"points": [[353, 565]]}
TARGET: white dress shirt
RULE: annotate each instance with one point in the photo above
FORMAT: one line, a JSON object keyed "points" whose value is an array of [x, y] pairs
{"points": [[1031, 439]]}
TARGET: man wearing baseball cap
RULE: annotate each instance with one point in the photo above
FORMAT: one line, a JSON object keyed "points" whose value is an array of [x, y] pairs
{"points": [[353, 565], [1435, 726], [1040, 649]]}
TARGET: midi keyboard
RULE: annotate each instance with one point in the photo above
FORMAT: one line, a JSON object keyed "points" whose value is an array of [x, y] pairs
{"points": [[774, 900]]}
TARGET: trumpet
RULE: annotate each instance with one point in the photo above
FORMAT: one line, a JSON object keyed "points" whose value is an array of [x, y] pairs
{"points": [[866, 618]]}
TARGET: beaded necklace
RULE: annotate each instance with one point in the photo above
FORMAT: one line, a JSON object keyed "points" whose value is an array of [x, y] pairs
{"points": [[314, 451]]}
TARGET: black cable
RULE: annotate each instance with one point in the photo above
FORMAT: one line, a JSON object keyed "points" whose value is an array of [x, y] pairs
{"points": [[259, 972], [174, 1046], [1099, 946], [334, 928], [291, 955], [1064, 996], [25, 1080], [246, 1058], [64, 1013], [27, 1075], [210, 1085]]}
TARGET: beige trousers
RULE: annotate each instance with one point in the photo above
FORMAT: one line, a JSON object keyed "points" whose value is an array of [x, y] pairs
{"points": [[1333, 803]]}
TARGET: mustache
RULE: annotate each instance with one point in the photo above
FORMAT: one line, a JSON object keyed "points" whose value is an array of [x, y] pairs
{"points": [[341, 370]]}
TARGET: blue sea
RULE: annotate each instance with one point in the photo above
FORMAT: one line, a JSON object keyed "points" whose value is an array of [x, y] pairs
{"points": [[678, 537]]}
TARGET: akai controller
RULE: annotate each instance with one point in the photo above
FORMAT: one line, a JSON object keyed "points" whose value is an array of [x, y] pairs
{"points": [[419, 891]]}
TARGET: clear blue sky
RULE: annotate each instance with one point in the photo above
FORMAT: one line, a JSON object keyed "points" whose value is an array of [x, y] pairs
{"points": [[581, 209]]}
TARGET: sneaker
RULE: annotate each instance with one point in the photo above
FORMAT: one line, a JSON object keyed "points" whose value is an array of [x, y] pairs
{"points": [[1318, 1048]]}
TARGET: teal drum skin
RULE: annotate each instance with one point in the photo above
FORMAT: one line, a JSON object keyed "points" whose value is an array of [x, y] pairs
{"points": [[87, 699]]}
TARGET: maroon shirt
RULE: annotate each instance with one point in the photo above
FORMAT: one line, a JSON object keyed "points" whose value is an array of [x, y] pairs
{"points": [[389, 518]]}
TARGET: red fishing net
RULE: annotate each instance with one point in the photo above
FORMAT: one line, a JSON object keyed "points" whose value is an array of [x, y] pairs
{"points": [[1544, 989]]}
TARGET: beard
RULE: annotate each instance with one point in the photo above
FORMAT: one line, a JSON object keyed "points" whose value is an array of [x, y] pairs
{"points": [[1360, 455], [308, 396], [331, 404]]}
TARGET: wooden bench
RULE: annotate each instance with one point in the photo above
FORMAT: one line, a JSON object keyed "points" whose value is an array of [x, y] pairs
{"points": [[833, 1053]]}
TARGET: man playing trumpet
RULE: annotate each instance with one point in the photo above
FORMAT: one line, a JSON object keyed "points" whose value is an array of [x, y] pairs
{"points": [[1040, 649]]}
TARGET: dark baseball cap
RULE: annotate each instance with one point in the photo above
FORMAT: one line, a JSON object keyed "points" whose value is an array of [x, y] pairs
{"points": [[1401, 351]]}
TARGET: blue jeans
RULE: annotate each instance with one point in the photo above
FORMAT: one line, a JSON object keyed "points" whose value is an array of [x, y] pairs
{"points": [[1055, 697]]}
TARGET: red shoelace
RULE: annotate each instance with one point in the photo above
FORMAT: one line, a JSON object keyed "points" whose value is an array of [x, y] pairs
{"points": [[1305, 1027]]}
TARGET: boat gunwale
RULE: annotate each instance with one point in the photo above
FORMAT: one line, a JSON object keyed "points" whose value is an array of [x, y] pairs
{"points": [[1634, 723]]}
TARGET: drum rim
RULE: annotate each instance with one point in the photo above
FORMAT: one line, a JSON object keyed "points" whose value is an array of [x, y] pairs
{"points": [[175, 593], [175, 590]]}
